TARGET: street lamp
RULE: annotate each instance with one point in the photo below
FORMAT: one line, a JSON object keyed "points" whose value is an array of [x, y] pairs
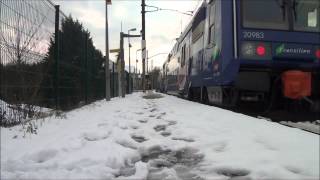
{"points": [[107, 70], [133, 29]]}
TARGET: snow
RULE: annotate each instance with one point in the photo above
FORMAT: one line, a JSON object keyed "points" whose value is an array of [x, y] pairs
{"points": [[11, 114], [162, 137]]}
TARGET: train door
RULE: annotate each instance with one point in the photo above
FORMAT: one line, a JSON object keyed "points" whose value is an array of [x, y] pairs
{"points": [[183, 67], [211, 91], [211, 66]]}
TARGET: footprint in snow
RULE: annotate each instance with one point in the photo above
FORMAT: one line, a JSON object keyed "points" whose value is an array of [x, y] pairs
{"points": [[265, 144], [123, 127], [165, 133], [220, 147], [293, 169], [139, 138], [43, 155], [126, 172], [103, 124], [93, 136], [153, 110], [134, 127], [126, 144], [160, 128], [170, 123], [233, 173], [183, 139], [179, 162], [161, 115], [143, 120]]}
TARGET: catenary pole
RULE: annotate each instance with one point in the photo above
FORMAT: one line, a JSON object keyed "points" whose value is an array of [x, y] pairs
{"points": [[129, 82], [122, 78], [143, 44], [107, 71]]}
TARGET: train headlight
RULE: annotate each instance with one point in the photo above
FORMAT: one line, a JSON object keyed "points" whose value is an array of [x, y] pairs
{"points": [[256, 50], [247, 49]]}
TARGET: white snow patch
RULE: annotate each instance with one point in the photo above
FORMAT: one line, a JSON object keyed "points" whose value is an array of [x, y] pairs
{"points": [[98, 142]]}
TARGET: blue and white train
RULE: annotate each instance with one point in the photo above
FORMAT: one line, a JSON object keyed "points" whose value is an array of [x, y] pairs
{"points": [[248, 50]]}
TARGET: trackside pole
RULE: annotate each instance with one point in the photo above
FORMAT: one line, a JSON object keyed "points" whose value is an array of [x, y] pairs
{"points": [[107, 71], [143, 45]]}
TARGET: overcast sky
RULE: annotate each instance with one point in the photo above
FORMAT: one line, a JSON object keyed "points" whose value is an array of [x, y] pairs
{"points": [[162, 27]]}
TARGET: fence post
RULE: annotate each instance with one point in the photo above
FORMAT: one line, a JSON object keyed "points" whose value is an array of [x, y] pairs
{"points": [[56, 57], [86, 67], [113, 79]]}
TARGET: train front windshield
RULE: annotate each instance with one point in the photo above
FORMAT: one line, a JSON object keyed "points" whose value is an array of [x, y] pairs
{"points": [[291, 15]]}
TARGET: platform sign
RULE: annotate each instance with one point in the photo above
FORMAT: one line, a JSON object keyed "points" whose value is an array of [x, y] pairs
{"points": [[143, 49], [114, 50]]}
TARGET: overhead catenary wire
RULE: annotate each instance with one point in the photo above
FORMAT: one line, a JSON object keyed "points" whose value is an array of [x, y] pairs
{"points": [[166, 9]]}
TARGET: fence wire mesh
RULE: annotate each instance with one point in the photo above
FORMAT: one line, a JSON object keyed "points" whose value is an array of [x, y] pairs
{"points": [[42, 67]]}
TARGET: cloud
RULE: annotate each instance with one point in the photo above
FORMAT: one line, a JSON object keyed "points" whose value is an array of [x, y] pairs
{"points": [[91, 16], [162, 27], [120, 12], [160, 38]]}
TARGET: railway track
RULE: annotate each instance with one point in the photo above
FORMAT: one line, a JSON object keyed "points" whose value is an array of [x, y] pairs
{"points": [[289, 119], [298, 119], [293, 119]]}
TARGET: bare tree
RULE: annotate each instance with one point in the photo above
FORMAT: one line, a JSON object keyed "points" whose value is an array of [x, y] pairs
{"points": [[18, 46]]}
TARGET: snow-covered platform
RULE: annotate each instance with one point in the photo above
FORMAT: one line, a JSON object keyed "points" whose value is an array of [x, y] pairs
{"points": [[157, 138]]}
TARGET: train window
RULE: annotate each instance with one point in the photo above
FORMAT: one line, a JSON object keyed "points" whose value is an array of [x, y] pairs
{"points": [[306, 15], [256, 14], [212, 12], [198, 24], [183, 56], [211, 22], [211, 34]]}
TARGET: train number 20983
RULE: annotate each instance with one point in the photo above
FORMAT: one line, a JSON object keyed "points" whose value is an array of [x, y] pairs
{"points": [[253, 35]]}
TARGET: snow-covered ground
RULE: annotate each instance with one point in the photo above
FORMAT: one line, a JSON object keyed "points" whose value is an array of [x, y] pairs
{"points": [[11, 114], [164, 138]]}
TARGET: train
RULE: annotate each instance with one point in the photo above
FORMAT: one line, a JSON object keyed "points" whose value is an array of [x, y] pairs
{"points": [[235, 51]]}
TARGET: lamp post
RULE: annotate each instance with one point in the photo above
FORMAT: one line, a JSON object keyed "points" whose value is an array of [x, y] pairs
{"points": [[107, 71], [133, 29]]}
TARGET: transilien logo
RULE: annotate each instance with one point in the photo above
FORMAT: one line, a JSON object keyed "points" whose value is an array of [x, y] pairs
{"points": [[280, 49]]}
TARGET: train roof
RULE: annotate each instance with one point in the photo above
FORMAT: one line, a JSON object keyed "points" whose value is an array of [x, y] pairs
{"points": [[186, 30]]}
